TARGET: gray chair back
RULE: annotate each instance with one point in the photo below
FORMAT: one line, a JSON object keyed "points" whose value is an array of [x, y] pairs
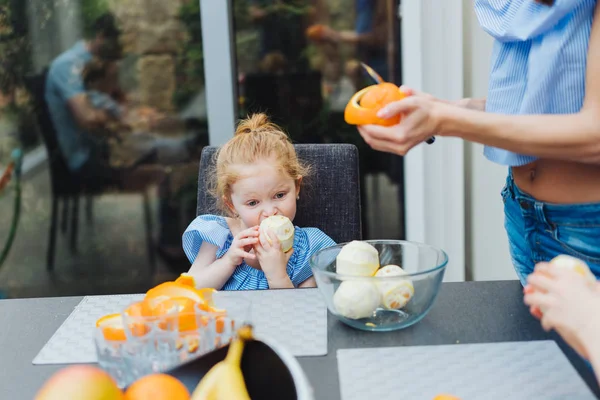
{"points": [[329, 199]]}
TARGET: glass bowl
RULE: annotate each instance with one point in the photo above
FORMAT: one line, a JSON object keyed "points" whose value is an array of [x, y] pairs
{"points": [[375, 303]]}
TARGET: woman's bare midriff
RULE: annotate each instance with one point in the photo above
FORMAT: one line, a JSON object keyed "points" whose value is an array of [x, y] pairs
{"points": [[559, 182]]}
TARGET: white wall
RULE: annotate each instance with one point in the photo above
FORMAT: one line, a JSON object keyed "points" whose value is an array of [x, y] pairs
{"points": [[432, 48], [487, 255]]}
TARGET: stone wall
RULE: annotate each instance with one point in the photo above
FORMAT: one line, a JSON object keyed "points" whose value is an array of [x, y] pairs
{"points": [[153, 34]]}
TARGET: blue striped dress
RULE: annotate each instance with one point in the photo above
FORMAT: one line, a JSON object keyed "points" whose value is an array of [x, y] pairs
{"points": [[538, 61], [214, 229]]}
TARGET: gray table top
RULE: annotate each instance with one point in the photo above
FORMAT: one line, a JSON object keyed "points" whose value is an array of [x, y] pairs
{"points": [[466, 312]]}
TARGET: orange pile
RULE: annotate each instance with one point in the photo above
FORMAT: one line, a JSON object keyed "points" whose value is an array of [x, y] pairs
{"points": [[161, 299], [363, 106], [92, 383]]}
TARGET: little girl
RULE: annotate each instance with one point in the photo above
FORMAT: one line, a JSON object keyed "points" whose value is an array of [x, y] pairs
{"points": [[257, 175]]}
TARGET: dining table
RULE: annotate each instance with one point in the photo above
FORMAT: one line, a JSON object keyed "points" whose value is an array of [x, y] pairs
{"points": [[463, 312]]}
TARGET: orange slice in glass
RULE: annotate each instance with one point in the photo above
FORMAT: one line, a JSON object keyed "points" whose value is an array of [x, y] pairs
{"points": [[139, 309], [186, 279], [169, 290], [186, 312], [112, 327]]}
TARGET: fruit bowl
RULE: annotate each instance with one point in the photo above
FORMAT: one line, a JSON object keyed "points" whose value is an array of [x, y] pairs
{"points": [[399, 294]]}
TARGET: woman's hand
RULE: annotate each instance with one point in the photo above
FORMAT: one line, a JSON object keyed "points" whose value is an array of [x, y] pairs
{"points": [[569, 305], [273, 261], [420, 120], [241, 246], [423, 115]]}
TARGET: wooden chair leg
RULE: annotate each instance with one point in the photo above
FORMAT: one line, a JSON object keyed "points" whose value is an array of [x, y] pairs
{"points": [[149, 230], [52, 237], [65, 216], [74, 224], [89, 209]]}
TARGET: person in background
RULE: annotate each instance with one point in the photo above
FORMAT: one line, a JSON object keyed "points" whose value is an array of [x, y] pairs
{"points": [[281, 25], [570, 307], [100, 80], [74, 117], [369, 39], [541, 119]]}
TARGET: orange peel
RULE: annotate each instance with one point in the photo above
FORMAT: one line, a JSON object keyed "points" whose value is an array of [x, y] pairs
{"points": [[186, 279], [169, 290], [185, 308], [112, 327], [363, 107], [139, 309]]}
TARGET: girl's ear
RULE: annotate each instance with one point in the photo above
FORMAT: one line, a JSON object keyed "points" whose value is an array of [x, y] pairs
{"points": [[229, 205], [298, 185]]}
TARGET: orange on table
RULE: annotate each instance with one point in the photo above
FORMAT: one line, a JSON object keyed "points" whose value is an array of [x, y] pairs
{"points": [[80, 382], [363, 106], [157, 387], [445, 397], [112, 327]]}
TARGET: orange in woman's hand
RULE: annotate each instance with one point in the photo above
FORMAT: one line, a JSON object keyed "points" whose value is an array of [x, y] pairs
{"points": [[363, 106]]}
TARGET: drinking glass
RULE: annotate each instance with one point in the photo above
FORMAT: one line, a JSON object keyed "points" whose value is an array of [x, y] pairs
{"points": [[109, 352]]}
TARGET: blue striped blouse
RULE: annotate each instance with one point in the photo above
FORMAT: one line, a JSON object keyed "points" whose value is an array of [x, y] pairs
{"points": [[214, 229], [538, 60]]}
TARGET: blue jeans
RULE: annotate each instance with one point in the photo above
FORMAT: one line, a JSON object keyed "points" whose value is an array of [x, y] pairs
{"points": [[539, 231]]}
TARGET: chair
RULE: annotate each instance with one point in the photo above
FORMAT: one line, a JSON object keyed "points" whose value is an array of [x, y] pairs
{"points": [[67, 187], [330, 199]]}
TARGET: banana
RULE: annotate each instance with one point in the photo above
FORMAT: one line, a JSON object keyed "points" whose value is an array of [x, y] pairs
{"points": [[225, 380]]}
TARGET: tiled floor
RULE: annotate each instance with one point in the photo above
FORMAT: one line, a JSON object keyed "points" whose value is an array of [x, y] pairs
{"points": [[112, 256]]}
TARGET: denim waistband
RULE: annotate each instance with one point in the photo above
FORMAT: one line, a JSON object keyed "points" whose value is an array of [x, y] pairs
{"points": [[564, 214]]}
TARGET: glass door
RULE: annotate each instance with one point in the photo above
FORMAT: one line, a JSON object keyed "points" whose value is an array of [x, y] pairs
{"points": [[299, 62]]}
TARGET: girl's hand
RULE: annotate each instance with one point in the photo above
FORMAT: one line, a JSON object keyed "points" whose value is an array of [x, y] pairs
{"points": [[569, 305], [242, 243], [273, 261]]}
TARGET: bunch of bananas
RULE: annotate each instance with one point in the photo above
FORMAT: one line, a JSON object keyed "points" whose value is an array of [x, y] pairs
{"points": [[225, 380]]}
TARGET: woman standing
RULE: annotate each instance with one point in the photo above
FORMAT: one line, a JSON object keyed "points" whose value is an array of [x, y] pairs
{"points": [[541, 119]]}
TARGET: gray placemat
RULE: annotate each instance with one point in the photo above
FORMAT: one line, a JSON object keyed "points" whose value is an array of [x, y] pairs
{"points": [[491, 371], [73, 341], [297, 319]]}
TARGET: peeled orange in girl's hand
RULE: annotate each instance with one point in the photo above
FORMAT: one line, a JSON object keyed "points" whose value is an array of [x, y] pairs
{"points": [[80, 382], [157, 387], [363, 106]]}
